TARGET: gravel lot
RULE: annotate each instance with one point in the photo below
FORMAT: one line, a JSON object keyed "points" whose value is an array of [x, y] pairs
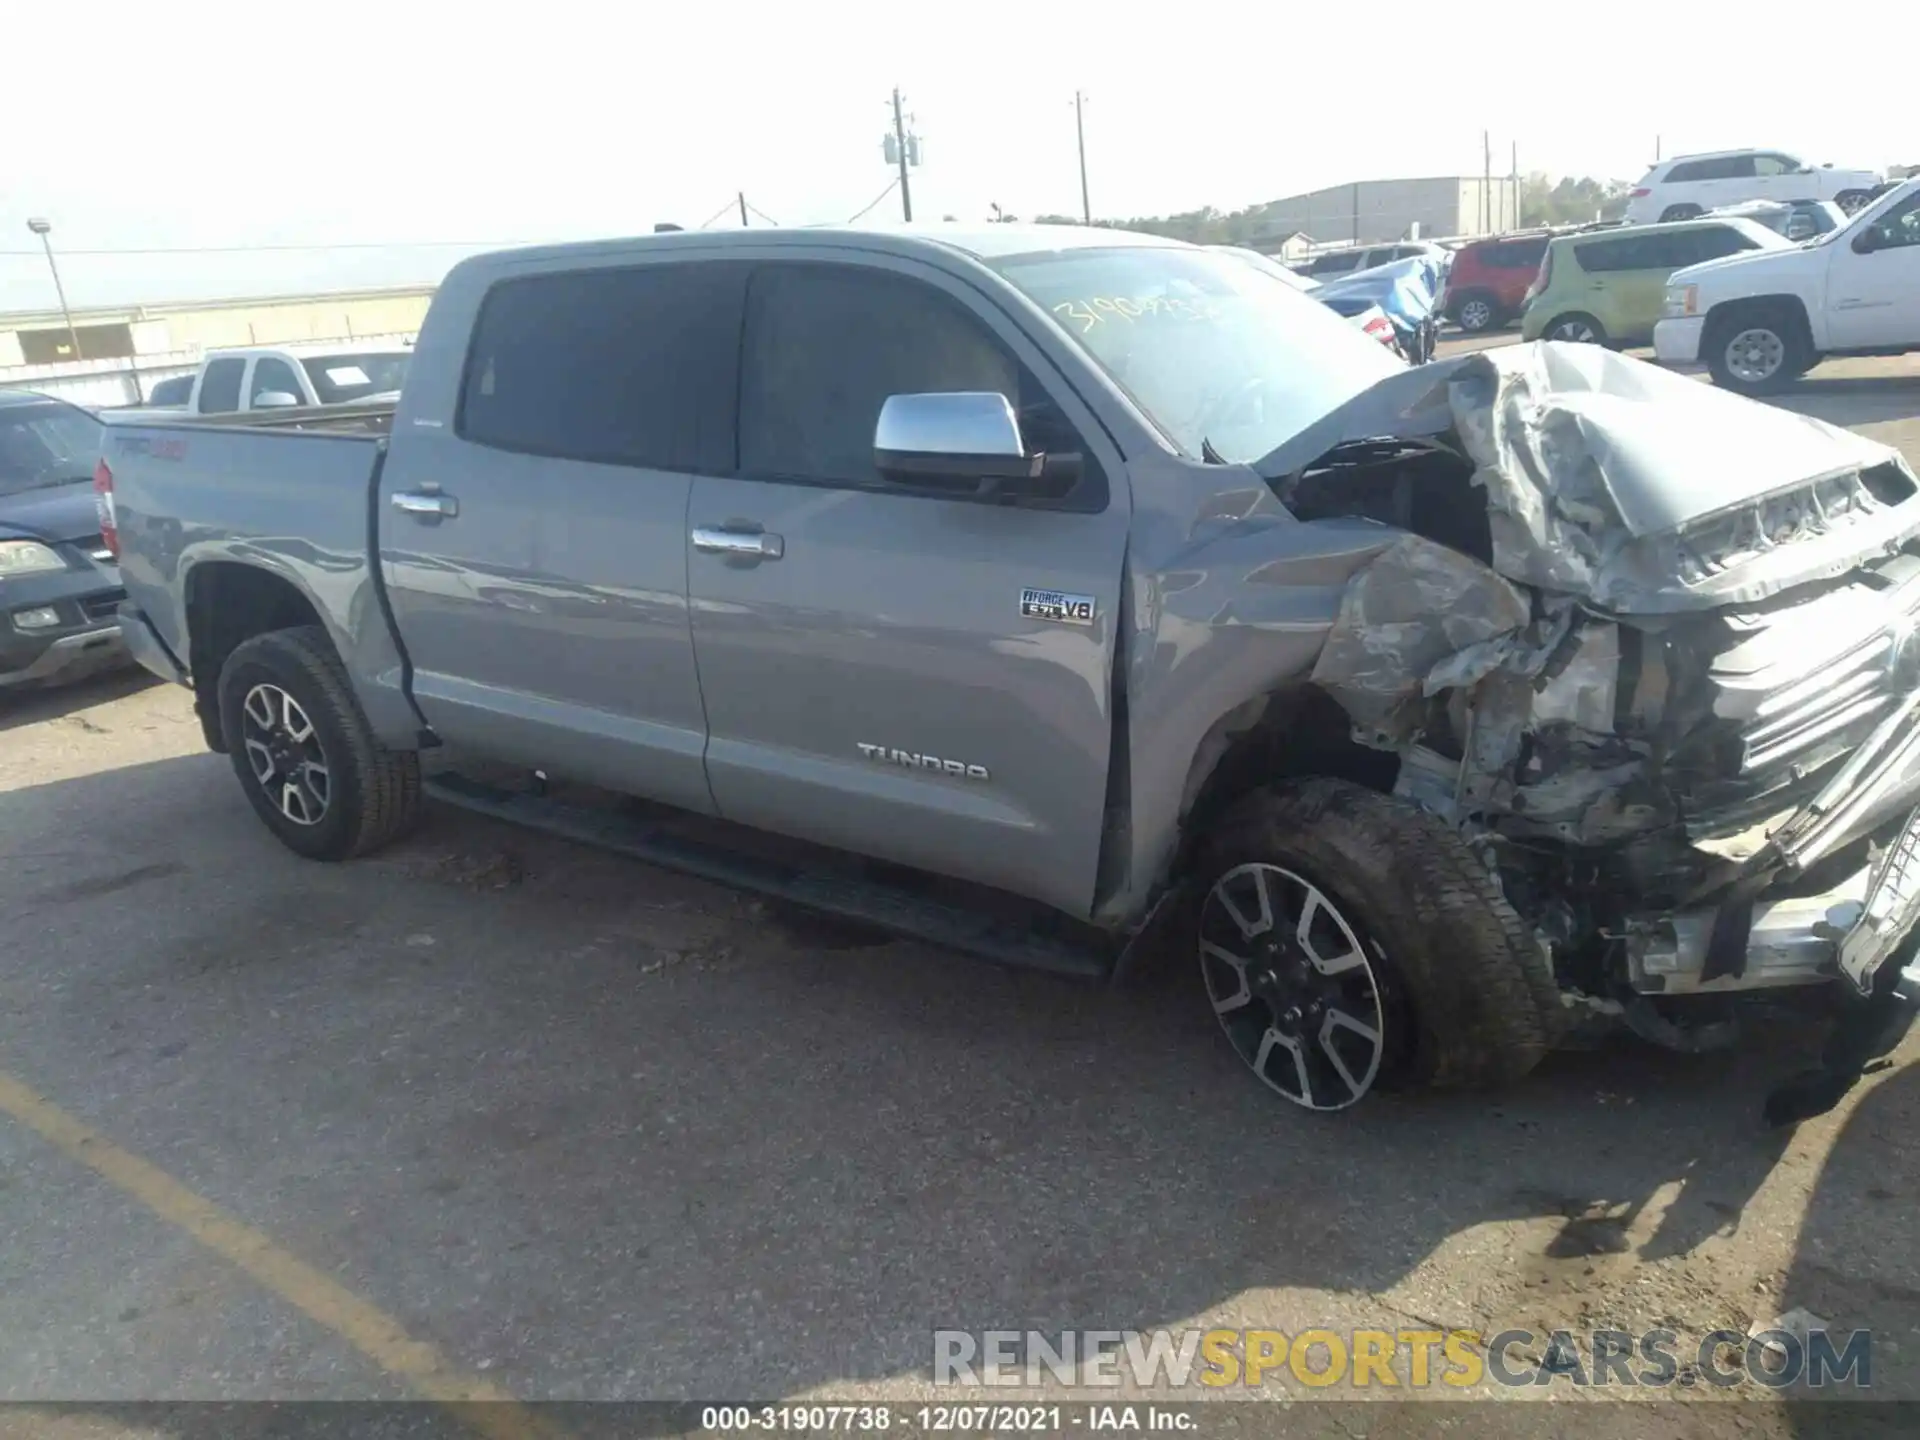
{"points": [[571, 1128]]}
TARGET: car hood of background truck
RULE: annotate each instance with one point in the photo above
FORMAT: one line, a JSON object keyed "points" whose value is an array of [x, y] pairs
{"points": [[57, 513], [1636, 488]]}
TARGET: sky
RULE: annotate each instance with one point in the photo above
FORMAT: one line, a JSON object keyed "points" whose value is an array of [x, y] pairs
{"points": [[406, 134]]}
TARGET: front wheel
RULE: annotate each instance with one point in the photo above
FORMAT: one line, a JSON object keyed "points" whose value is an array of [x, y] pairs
{"points": [[1853, 201], [1350, 942], [1576, 329], [304, 753], [1758, 352]]}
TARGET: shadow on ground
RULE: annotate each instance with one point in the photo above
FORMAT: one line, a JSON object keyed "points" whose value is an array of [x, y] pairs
{"points": [[30, 707], [1854, 399]]}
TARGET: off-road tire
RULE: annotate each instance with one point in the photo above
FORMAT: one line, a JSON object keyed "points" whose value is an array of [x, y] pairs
{"points": [[1473, 997], [374, 792]]}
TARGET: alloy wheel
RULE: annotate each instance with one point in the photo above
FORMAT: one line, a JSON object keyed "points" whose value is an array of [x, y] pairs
{"points": [[285, 755], [1476, 315], [1294, 985], [1578, 332]]}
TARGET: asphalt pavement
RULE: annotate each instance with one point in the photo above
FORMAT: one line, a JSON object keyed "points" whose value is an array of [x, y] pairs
{"points": [[489, 1116]]}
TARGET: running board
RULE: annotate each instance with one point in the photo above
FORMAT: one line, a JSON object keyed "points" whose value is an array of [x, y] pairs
{"points": [[899, 912]]}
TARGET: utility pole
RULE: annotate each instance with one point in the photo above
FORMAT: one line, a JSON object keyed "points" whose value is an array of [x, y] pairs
{"points": [[1513, 181], [1486, 182], [1656, 149], [44, 229], [742, 195], [900, 147], [1080, 128]]}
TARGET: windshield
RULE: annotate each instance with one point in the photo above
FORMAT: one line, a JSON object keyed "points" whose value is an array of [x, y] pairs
{"points": [[1267, 265], [46, 444], [1227, 361], [341, 379]]}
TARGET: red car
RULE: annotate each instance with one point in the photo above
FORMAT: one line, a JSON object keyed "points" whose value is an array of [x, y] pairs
{"points": [[1487, 286]]}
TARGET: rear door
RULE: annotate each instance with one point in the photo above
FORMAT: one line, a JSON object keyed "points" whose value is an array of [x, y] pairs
{"points": [[872, 678], [535, 549], [220, 386]]}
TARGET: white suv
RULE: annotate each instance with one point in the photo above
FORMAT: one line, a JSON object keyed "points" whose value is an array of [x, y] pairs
{"points": [[1763, 319], [1690, 185]]}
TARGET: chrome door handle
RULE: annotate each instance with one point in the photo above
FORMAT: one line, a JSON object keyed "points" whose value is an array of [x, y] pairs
{"points": [[426, 504], [753, 544]]}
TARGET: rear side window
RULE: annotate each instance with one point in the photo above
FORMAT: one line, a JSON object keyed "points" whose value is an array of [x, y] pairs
{"points": [[1512, 254], [1599, 257], [1712, 243], [622, 367], [220, 386], [1334, 264]]}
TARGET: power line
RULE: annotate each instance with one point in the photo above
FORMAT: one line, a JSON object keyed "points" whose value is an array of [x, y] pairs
{"points": [[892, 185], [262, 249], [716, 214], [761, 213]]}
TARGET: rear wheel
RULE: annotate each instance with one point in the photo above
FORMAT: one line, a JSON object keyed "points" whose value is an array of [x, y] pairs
{"points": [[1576, 328], [1476, 313], [304, 753], [1679, 212], [1350, 942], [1757, 350], [1853, 200]]}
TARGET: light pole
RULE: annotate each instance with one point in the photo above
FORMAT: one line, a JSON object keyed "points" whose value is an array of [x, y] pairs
{"points": [[44, 228], [1080, 129]]}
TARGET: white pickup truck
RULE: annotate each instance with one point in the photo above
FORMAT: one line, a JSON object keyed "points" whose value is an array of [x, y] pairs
{"points": [[1762, 319], [278, 377]]}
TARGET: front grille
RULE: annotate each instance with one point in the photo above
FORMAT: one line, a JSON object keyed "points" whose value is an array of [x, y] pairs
{"points": [[1802, 686], [103, 606]]}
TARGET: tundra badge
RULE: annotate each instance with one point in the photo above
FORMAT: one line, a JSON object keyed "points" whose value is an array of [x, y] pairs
{"points": [[1057, 605], [914, 760]]}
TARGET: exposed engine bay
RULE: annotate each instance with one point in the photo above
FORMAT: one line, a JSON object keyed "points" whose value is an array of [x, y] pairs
{"points": [[1650, 647]]}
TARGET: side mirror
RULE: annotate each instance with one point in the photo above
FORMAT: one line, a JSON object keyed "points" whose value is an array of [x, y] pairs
{"points": [[1866, 242], [274, 400], [964, 443]]}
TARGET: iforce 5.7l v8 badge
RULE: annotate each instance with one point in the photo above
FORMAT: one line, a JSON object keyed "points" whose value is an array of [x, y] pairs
{"points": [[1056, 605]]}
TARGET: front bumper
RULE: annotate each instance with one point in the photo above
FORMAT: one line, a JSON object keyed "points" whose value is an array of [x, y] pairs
{"points": [[1849, 933], [1677, 341], [85, 637]]}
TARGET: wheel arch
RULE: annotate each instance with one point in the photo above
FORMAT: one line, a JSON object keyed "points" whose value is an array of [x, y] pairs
{"points": [[1726, 312], [227, 603], [1293, 732]]}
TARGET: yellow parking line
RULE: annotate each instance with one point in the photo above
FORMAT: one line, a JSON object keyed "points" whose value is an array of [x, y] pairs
{"points": [[375, 1334]]}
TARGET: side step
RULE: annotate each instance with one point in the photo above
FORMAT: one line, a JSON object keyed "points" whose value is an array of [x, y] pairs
{"points": [[897, 911]]}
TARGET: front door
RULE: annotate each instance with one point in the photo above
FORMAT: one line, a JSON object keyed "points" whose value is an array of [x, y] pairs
{"points": [[535, 549], [873, 680], [1873, 299]]}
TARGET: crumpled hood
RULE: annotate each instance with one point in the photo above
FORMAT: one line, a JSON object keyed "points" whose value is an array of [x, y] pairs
{"points": [[1634, 488]]}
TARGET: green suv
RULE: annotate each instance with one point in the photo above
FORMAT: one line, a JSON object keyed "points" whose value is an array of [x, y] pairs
{"points": [[1605, 287]]}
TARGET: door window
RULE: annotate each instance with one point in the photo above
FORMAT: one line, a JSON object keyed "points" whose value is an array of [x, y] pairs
{"points": [[1899, 227], [271, 374], [827, 344], [220, 386], [1598, 257], [619, 366]]}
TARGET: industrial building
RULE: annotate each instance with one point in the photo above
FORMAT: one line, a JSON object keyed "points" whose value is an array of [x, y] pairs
{"points": [[123, 351], [1367, 211]]}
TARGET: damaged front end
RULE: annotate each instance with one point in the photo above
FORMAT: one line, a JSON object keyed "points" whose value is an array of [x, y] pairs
{"points": [[1655, 650]]}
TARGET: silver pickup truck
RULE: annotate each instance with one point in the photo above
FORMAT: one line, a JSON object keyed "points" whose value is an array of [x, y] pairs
{"points": [[1066, 596]]}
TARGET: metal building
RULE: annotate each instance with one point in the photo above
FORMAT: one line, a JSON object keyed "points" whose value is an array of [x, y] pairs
{"points": [[124, 350], [1366, 211]]}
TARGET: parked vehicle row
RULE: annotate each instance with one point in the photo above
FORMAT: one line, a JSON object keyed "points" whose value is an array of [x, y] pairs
{"points": [[1131, 599], [1688, 185], [1760, 321], [1365, 314]]}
